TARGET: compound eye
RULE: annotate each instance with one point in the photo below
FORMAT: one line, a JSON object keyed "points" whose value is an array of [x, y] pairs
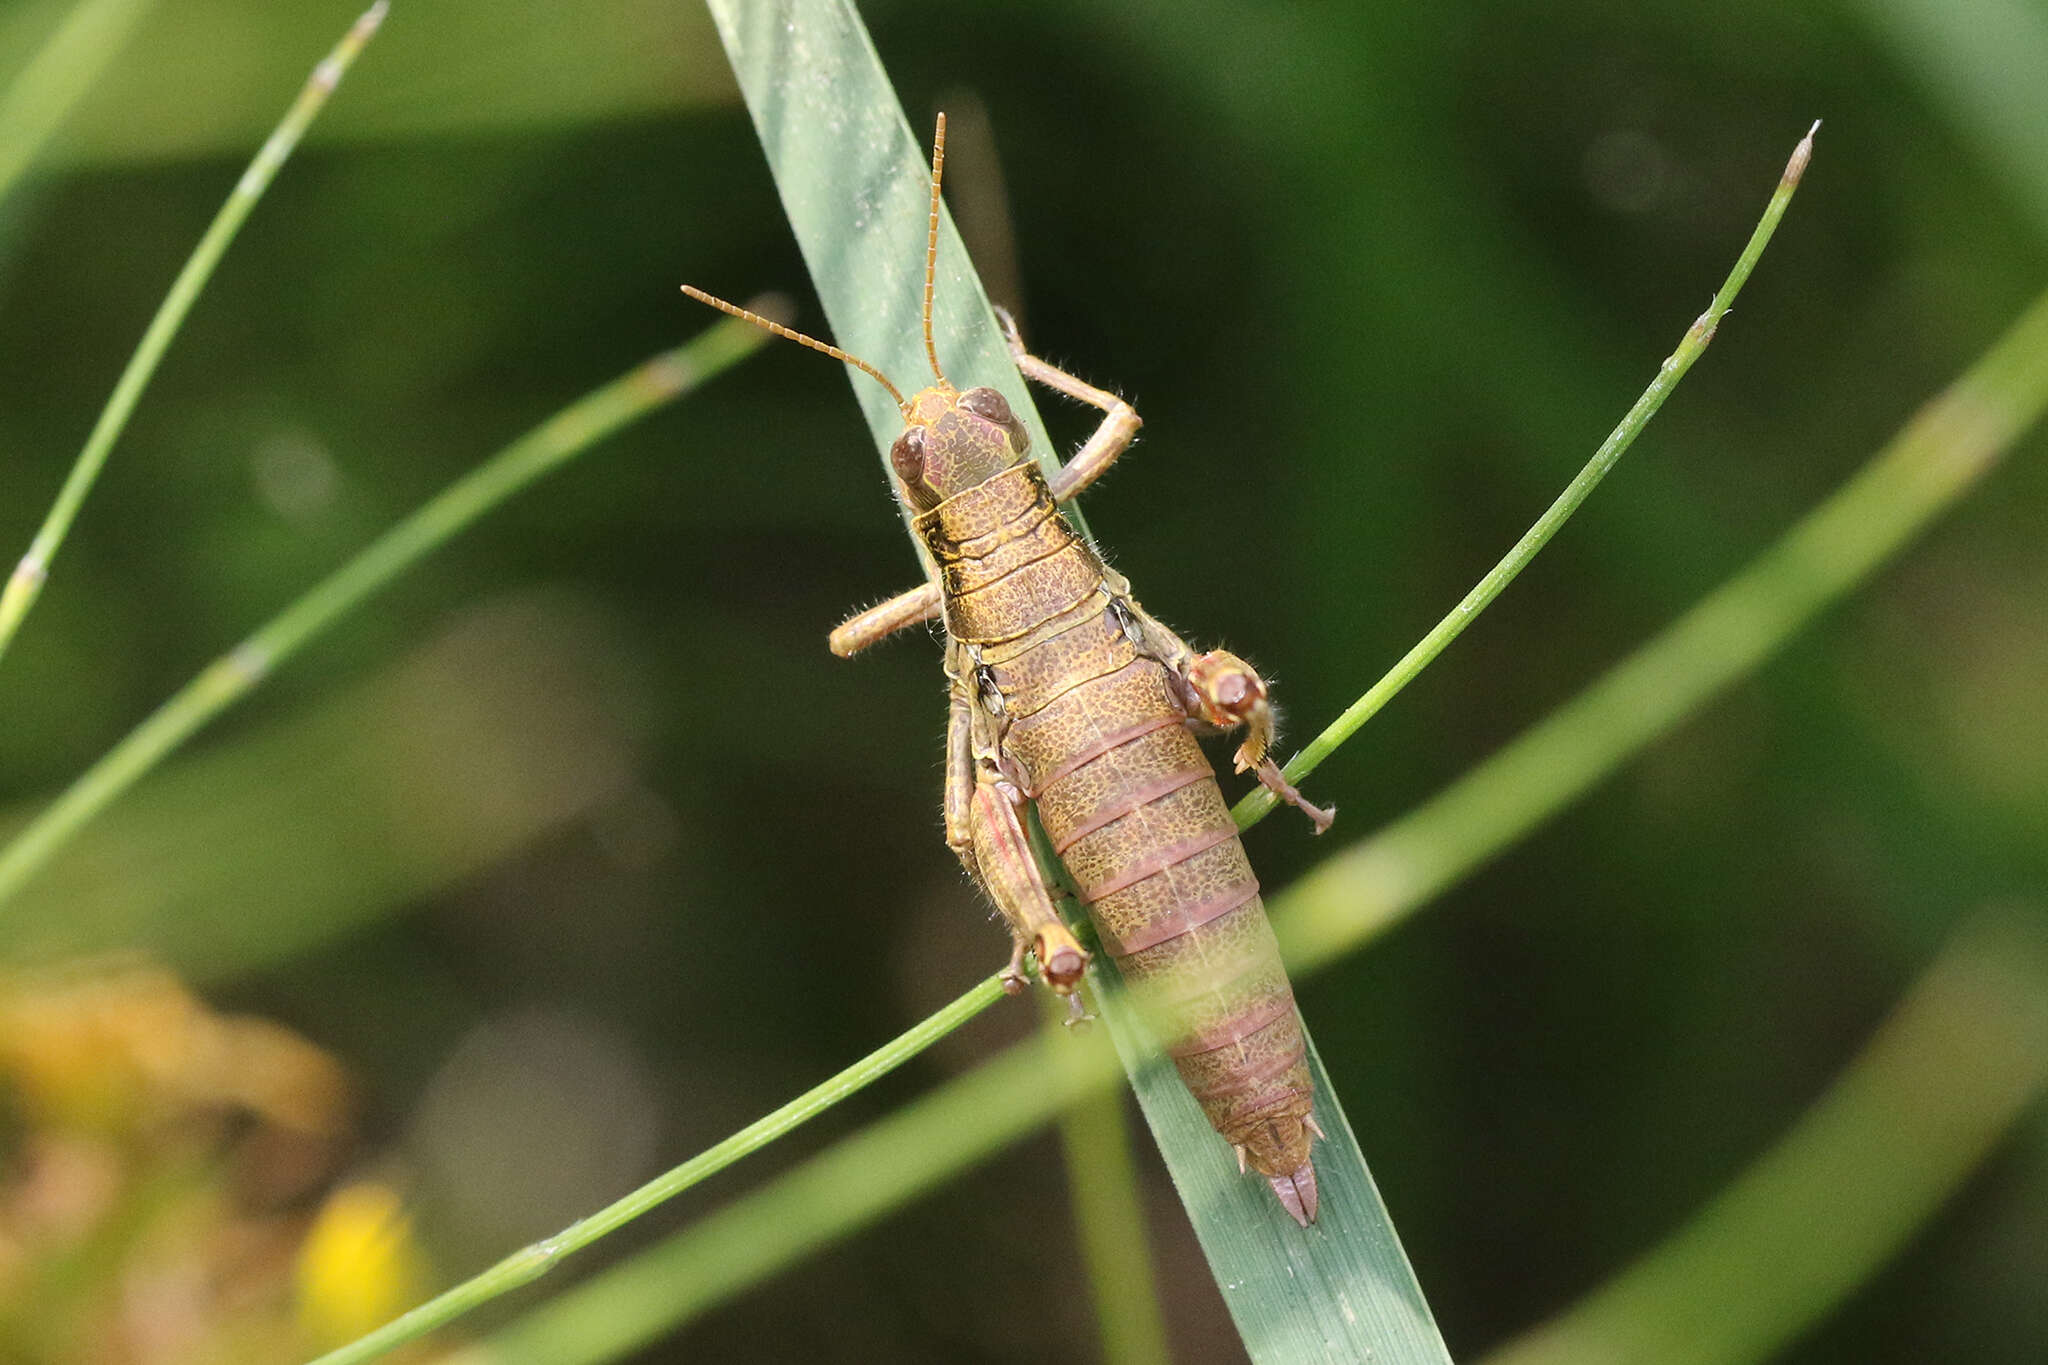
{"points": [[988, 403], [906, 457]]}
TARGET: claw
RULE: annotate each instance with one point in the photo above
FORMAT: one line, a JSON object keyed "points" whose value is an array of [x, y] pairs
{"points": [[1078, 1018], [1308, 1121], [1013, 973], [1011, 334], [1243, 1162], [1297, 1193]]}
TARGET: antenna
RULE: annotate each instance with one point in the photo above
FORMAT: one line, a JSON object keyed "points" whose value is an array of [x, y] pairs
{"points": [[777, 329], [931, 245]]}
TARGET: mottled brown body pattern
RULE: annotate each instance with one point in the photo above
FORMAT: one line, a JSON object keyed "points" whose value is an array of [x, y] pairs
{"points": [[1094, 727]]}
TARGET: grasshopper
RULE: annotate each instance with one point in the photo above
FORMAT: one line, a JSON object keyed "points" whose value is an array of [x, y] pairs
{"points": [[1065, 692]]}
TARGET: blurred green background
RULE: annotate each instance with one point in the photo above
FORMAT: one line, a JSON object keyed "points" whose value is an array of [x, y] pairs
{"points": [[578, 850]]}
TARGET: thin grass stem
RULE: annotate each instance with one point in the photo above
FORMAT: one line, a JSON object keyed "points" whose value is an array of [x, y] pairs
{"points": [[1941, 454], [1950, 444], [227, 679], [25, 584], [63, 69], [841, 1190], [529, 1264], [1259, 803]]}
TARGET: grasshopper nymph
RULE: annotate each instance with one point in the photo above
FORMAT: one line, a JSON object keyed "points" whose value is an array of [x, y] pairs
{"points": [[1066, 693]]}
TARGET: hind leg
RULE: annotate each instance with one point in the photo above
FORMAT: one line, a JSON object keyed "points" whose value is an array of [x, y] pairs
{"points": [[985, 827]]}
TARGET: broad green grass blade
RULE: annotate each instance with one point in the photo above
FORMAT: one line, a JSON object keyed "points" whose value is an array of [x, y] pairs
{"points": [[1353, 898], [1958, 1061], [855, 185], [25, 584], [1339, 1290], [37, 99]]}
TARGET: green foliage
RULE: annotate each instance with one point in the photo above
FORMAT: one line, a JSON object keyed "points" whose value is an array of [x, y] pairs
{"points": [[1376, 284]]}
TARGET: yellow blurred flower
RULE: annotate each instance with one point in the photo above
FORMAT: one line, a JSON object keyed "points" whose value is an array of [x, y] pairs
{"points": [[175, 1153], [359, 1265], [104, 1047]]}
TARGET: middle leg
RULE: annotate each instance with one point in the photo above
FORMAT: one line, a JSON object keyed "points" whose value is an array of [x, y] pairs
{"points": [[1221, 690]]}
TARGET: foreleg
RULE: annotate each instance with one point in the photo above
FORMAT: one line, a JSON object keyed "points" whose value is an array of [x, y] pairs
{"points": [[879, 622], [1110, 440]]}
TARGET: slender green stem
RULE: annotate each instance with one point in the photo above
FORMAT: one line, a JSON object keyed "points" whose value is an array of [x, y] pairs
{"points": [[527, 1265], [25, 584], [223, 682], [1962, 1056], [1095, 1140], [1352, 898], [1259, 803], [1940, 455], [834, 1193], [63, 69]]}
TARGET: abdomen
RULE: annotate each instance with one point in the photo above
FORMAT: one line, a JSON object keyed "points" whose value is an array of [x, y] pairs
{"points": [[1132, 806]]}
